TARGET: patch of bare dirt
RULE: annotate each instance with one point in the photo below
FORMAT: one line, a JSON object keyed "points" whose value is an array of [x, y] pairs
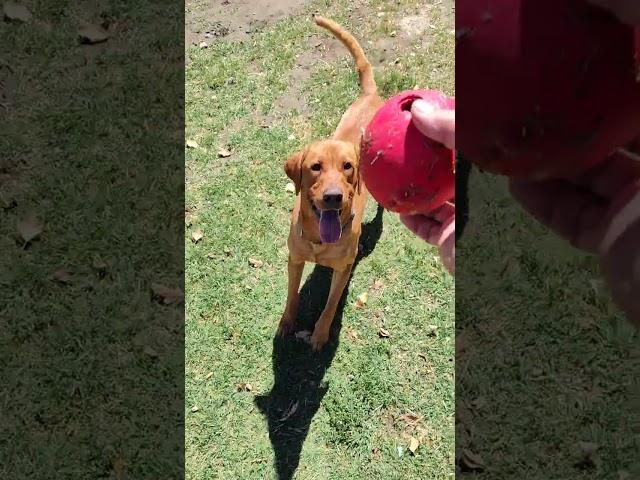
{"points": [[419, 24], [232, 20], [319, 50]]}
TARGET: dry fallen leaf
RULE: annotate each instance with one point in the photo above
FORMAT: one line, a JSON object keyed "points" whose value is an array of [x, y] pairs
{"points": [[15, 11], [383, 333], [291, 188], [91, 34], [361, 301], [197, 235], [378, 284], [471, 461], [244, 387], [414, 443], [167, 295], [99, 266], [209, 375], [29, 228], [211, 255], [224, 153], [255, 263], [410, 419], [192, 144], [195, 408], [61, 276], [203, 45], [597, 285], [353, 334]]}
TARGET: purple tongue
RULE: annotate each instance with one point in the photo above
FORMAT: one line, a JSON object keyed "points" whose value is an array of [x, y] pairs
{"points": [[330, 229]]}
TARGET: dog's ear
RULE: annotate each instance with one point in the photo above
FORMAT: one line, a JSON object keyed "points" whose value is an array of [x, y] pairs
{"points": [[357, 174], [293, 168]]}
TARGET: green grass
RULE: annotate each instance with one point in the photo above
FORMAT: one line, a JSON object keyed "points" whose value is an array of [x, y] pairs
{"points": [[549, 360], [339, 411], [89, 368]]}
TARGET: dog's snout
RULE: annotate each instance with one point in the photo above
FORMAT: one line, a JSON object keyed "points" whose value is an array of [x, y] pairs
{"points": [[332, 197]]}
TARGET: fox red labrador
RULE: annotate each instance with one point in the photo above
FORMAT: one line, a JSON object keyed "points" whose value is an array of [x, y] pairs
{"points": [[326, 222]]}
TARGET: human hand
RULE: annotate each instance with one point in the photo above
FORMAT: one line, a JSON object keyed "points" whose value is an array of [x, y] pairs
{"points": [[598, 212], [627, 11], [438, 227]]}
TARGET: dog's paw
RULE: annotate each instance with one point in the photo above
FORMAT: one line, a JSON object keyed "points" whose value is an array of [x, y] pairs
{"points": [[318, 340]]}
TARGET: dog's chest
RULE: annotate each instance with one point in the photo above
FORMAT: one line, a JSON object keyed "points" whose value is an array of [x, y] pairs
{"points": [[332, 256], [316, 252]]}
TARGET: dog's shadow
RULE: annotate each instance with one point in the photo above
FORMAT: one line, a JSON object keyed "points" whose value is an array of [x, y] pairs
{"points": [[298, 371]]}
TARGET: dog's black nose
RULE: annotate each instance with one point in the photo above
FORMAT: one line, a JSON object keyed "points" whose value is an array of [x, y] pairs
{"points": [[332, 198]]}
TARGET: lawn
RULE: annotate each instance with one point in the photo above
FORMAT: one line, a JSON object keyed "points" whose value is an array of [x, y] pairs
{"points": [[259, 407], [547, 368], [91, 159]]}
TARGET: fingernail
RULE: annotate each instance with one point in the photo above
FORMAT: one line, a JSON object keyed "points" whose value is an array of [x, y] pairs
{"points": [[420, 106]]}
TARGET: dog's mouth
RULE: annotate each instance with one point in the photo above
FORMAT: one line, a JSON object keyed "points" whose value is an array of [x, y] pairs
{"points": [[329, 222], [319, 211]]}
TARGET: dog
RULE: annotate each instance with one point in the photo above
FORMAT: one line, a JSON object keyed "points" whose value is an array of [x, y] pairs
{"points": [[326, 221]]}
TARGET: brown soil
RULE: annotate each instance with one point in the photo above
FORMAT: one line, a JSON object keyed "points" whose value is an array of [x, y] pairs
{"points": [[232, 20]]}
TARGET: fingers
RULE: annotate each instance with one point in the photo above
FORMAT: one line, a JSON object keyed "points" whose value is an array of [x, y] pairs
{"points": [[424, 227], [440, 234], [623, 214], [443, 213], [621, 268], [571, 211], [439, 125], [434, 229], [611, 176]]}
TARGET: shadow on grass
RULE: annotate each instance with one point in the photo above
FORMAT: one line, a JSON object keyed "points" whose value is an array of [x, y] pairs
{"points": [[298, 387]]}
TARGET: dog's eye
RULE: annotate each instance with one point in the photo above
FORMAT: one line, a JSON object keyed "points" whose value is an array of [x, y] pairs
{"points": [[347, 165], [316, 167]]}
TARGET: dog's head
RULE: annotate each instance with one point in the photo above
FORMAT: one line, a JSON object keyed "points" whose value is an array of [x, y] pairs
{"points": [[327, 173], [327, 176]]}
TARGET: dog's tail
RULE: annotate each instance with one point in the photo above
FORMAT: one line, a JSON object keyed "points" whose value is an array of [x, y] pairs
{"points": [[367, 82]]}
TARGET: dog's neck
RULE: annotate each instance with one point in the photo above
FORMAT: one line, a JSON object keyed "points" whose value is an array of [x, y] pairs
{"points": [[314, 232]]}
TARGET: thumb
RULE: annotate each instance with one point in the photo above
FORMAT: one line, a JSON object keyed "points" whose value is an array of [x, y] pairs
{"points": [[437, 124]]}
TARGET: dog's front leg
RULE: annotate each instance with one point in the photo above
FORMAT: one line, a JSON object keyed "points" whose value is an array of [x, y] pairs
{"points": [[288, 320], [323, 325]]}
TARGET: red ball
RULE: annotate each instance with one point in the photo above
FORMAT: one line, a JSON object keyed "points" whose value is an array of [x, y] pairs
{"points": [[403, 170], [548, 88]]}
